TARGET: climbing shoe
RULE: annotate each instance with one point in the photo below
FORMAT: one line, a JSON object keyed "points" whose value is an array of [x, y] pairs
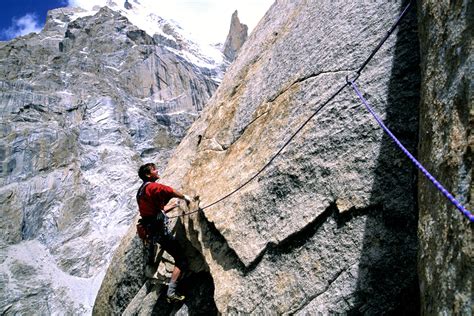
{"points": [[175, 298]]}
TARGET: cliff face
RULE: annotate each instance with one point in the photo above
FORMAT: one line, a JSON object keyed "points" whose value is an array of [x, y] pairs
{"points": [[446, 146], [81, 103], [330, 225]]}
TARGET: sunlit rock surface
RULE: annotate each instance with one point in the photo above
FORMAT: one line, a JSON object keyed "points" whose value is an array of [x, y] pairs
{"points": [[330, 225]]}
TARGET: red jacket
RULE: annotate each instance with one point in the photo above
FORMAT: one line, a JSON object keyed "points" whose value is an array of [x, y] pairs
{"points": [[152, 198]]}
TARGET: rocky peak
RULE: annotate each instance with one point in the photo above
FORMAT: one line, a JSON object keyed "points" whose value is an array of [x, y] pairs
{"points": [[58, 19], [236, 37]]}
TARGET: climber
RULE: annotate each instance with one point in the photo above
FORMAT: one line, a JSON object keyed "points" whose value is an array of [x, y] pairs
{"points": [[152, 199]]}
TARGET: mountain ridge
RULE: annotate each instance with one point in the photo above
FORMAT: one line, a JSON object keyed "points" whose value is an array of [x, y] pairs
{"points": [[83, 103]]}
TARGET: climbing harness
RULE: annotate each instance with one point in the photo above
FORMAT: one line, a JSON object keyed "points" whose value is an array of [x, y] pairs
{"points": [[349, 82], [152, 227]]}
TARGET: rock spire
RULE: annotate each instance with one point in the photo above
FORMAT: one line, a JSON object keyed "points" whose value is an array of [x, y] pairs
{"points": [[236, 37]]}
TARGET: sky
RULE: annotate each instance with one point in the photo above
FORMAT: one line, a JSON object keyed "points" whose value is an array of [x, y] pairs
{"points": [[208, 20]]}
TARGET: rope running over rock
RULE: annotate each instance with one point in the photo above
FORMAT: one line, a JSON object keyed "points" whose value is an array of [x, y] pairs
{"points": [[351, 82], [318, 109], [425, 172]]}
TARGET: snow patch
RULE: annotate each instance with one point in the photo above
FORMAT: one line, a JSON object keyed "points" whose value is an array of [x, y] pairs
{"points": [[142, 16], [33, 254]]}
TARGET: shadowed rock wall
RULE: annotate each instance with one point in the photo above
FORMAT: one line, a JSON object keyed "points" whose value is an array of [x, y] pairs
{"points": [[446, 146]]}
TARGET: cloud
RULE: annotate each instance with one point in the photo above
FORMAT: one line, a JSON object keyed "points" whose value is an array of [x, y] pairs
{"points": [[22, 26], [208, 20], [88, 4]]}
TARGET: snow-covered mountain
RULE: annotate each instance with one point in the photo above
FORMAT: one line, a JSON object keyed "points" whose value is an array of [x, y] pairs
{"points": [[83, 104], [178, 40]]}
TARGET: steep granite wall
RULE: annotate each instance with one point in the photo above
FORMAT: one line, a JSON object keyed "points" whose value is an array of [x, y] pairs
{"points": [[330, 225], [446, 147]]}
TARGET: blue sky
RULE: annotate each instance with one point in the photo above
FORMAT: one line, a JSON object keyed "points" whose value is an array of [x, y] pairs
{"points": [[18, 17], [209, 18]]}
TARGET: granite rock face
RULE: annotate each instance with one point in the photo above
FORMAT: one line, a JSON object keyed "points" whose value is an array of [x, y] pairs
{"points": [[446, 146], [82, 104], [331, 225], [236, 37]]}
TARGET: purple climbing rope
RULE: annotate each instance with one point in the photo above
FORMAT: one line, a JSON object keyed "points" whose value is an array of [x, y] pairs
{"points": [[438, 185], [449, 196]]}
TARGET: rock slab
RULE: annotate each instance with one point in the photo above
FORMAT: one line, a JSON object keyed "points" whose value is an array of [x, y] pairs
{"points": [[330, 225]]}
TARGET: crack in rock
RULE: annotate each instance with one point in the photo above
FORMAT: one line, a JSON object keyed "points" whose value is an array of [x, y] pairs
{"points": [[300, 237], [315, 296], [302, 79], [214, 145], [287, 245]]}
